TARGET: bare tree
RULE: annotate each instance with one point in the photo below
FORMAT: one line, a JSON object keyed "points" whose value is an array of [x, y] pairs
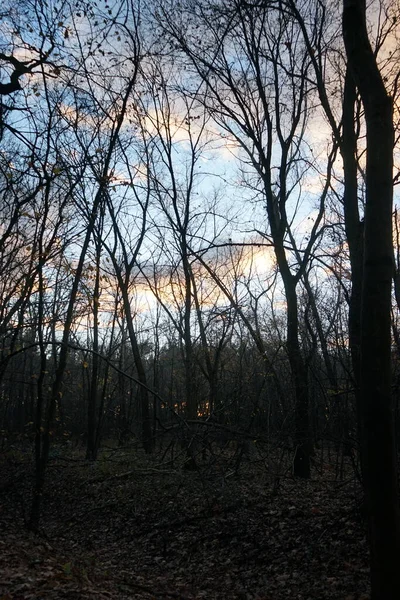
{"points": [[85, 99], [377, 438], [254, 71], [371, 257]]}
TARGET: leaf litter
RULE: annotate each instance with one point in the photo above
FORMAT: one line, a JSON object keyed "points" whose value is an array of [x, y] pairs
{"points": [[128, 527]]}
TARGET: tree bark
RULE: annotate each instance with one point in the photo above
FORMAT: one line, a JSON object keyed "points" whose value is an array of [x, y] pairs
{"points": [[377, 435]]}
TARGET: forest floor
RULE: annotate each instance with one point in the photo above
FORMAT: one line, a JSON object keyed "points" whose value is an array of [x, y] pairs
{"points": [[132, 527]]}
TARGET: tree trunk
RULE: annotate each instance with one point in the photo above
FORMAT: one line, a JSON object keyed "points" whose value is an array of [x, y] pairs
{"points": [[353, 224], [91, 449], [147, 440], [377, 435], [301, 464], [190, 391]]}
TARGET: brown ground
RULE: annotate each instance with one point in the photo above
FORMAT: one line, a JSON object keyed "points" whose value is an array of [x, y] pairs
{"points": [[130, 527]]}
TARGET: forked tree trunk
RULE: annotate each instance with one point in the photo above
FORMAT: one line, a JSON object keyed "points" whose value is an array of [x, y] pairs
{"points": [[377, 435]]}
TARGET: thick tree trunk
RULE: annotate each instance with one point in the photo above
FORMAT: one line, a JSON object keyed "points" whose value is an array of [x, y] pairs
{"points": [[377, 436]]}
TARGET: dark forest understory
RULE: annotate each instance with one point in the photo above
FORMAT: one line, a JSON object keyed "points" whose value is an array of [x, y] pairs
{"points": [[133, 527]]}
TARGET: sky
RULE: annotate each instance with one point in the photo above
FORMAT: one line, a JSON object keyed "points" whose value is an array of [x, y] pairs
{"points": [[226, 203]]}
